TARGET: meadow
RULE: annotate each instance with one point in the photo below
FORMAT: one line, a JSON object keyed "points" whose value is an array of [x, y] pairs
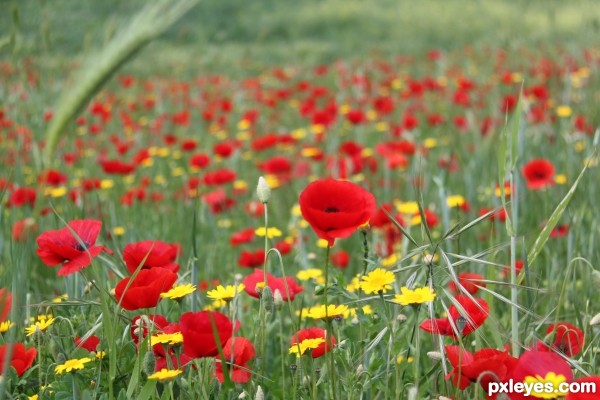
{"points": [[298, 200]]}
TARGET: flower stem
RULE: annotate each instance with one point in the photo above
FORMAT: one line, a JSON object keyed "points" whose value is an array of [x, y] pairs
{"points": [[329, 327]]}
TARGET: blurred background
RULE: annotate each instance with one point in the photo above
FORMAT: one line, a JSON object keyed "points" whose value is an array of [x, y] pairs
{"points": [[236, 34]]}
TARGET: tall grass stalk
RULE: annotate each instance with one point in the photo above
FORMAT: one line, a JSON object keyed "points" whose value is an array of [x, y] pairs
{"points": [[149, 23]]}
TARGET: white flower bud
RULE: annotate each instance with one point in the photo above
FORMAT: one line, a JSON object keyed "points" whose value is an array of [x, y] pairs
{"points": [[260, 395], [242, 395], [435, 355], [360, 370], [595, 320], [263, 191], [277, 298]]}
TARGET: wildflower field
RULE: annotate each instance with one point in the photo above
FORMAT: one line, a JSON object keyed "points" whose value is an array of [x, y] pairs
{"points": [[299, 201]]}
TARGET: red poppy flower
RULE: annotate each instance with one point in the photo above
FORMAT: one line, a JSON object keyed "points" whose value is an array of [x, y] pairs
{"points": [[335, 209], [90, 344], [483, 366], [315, 333], [5, 305], [117, 167], [539, 174], [468, 281], [151, 254], [199, 160], [476, 312], [277, 165], [340, 259], [21, 359], [241, 237], [560, 231], [274, 283], [237, 351], [22, 196], [535, 365], [52, 178], [254, 209], [250, 259], [23, 229], [219, 177], [198, 330], [568, 339], [73, 247], [145, 290]]}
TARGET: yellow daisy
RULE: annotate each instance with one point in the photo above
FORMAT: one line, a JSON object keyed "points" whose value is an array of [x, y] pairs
{"points": [[225, 293], [377, 281], [165, 374], [167, 338], [332, 311], [72, 365], [307, 344], [414, 297], [40, 326], [270, 232], [179, 292]]}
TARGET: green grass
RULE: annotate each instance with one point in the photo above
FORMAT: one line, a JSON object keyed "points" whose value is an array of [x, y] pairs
{"points": [[231, 34]]}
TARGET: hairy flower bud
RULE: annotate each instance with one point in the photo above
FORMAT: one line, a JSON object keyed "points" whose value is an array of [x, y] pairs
{"points": [[263, 191]]}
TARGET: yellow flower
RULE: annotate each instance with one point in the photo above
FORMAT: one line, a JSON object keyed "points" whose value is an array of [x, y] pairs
{"points": [[307, 344], [308, 274], [72, 365], [332, 311], [560, 179], [354, 285], [430, 143], [40, 326], [118, 231], [322, 243], [60, 298], [455, 201], [551, 378], [106, 183], [390, 260], [271, 232], [6, 325], [167, 338], [225, 293], [413, 297], [564, 111], [34, 397], [179, 291], [376, 281], [100, 355], [408, 207], [165, 374]]}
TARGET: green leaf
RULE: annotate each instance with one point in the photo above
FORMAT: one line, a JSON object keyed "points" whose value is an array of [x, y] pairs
{"points": [[542, 238]]}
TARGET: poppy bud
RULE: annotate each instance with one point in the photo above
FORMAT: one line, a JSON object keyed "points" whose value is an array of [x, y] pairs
{"points": [[435, 355], [277, 298], [360, 370], [263, 191], [149, 363], [596, 279], [267, 297], [595, 320], [260, 395]]}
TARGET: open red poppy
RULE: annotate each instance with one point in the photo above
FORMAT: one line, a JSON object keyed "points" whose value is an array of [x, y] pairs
{"points": [[72, 246], [568, 339], [457, 324], [287, 287], [335, 209], [539, 174], [144, 291], [21, 359], [151, 254], [485, 365], [237, 352], [198, 330]]}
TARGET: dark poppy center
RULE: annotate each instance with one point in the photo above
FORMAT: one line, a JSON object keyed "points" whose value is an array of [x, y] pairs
{"points": [[332, 210], [82, 246], [540, 174]]}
